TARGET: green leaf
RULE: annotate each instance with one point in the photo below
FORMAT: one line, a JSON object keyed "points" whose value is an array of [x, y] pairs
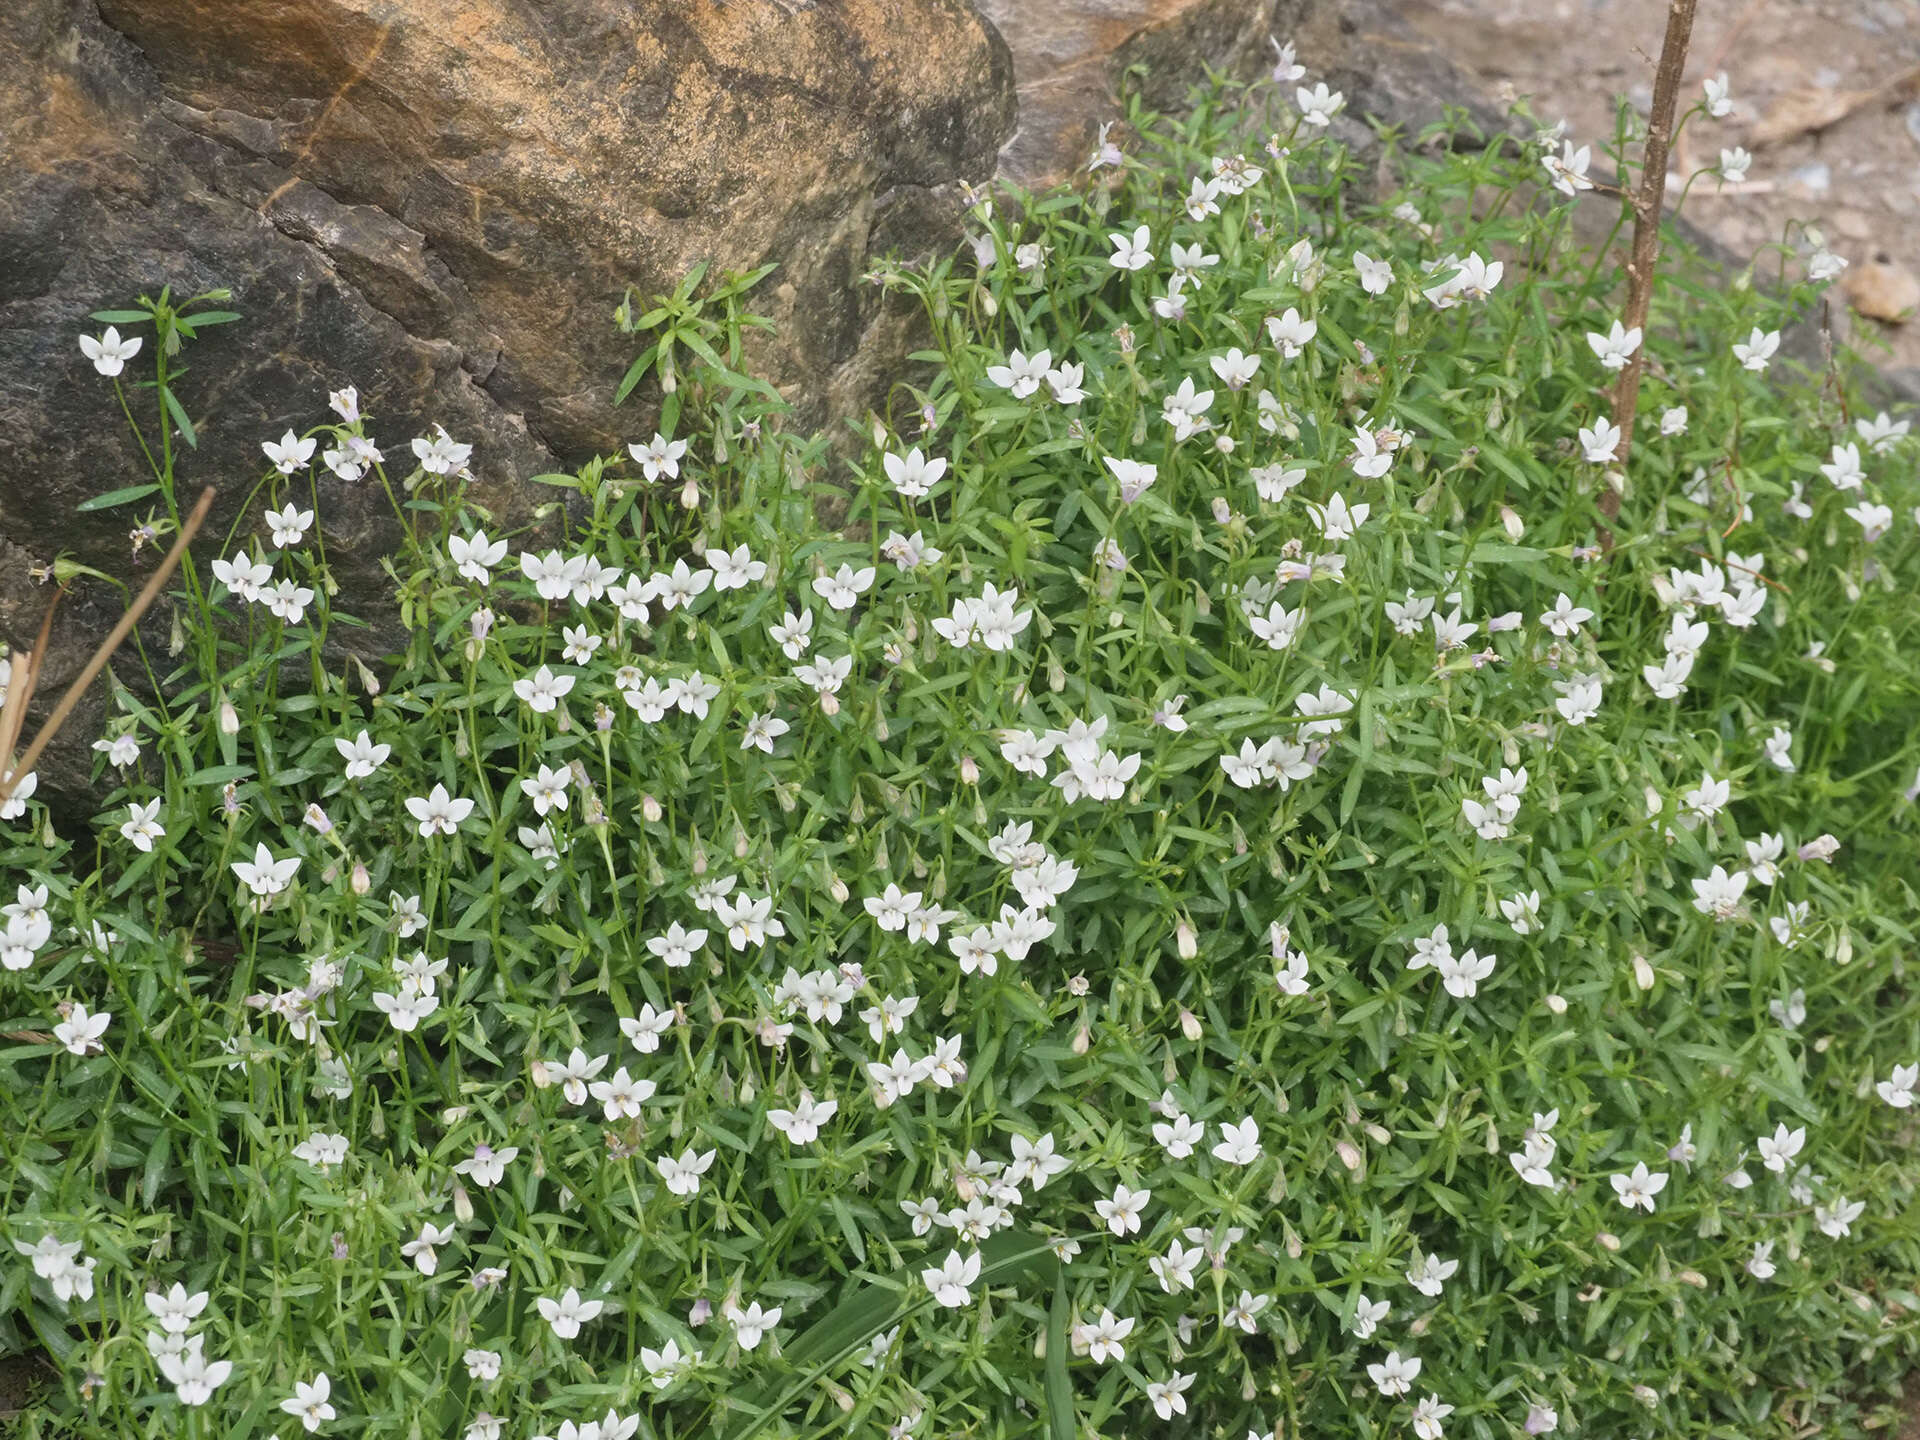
{"points": [[123, 496], [121, 317], [1059, 1387], [636, 372], [179, 414]]}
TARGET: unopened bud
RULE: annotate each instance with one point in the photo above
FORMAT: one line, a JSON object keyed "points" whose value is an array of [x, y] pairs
{"points": [[1082, 1040], [1557, 1004], [1349, 1155], [829, 703], [969, 770], [229, 718], [462, 1204], [1642, 972], [358, 879], [689, 494], [317, 818], [1608, 1241], [837, 888], [1190, 1024], [1512, 524], [650, 808], [1222, 511], [701, 1312], [1693, 1278]]}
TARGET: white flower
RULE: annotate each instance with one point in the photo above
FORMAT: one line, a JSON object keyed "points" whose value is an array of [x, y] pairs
{"points": [[1239, 1144], [81, 1032], [1898, 1092], [1734, 164], [542, 691], [659, 457], [439, 813], [192, 1376], [1395, 1375], [1130, 252], [1616, 347], [1022, 374], [423, 1249], [1836, 1220], [1429, 1273], [110, 353], [1580, 703], [1757, 349], [1673, 421], [1375, 275], [567, 1314], [1123, 1210], [751, 1324], [142, 826], [913, 474], [1318, 106], [362, 755], [1367, 1315], [843, 589], [1760, 1264], [1169, 1396], [1600, 440], [1719, 103], [1135, 477], [1638, 1188], [1779, 1149], [1718, 894], [289, 525], [264, 875], [952, 1280], [682, 1176], [1568, 169], [1290, 333], [1427, 1416]]}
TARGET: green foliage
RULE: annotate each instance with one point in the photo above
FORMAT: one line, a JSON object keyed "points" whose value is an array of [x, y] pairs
{"points": [[1204, 947]]}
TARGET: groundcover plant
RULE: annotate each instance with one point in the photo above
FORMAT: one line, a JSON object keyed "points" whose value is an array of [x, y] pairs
{"points": [[1218, 890]]}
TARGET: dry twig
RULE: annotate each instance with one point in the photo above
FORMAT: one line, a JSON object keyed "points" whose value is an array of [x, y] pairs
{"points": [[1648, 198], [15, 714]]}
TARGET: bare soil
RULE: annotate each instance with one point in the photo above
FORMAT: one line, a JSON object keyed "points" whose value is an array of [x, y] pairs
{"points": [[1856, 180]]}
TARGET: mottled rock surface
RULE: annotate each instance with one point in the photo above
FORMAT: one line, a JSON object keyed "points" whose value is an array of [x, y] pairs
{"points": [[1071, 58]]}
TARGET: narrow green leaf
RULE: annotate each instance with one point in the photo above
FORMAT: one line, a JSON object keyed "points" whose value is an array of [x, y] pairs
{"points": [[123, 496]]}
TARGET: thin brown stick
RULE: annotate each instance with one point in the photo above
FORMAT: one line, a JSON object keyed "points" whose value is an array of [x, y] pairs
{"points": [[1648, 198], [148, 594], [22, 681]]}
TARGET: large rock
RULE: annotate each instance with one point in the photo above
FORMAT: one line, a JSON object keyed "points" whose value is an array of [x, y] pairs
{"points": [[441, 203]]}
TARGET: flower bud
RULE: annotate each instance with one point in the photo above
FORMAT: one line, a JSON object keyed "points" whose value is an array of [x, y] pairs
{"points": [[1185, 941], [969, 770], [602, 718], [689, 494], [1511, 523], [837, 888], [1349, 1155], [462, 1204], [1557, 1004], [358, 879], [1642, 972], [317, 818], [229, 717], [1223, 442], [701, 1312], [1082, 1040], [650, 809], [1222, 511], [1608, 1241], [1078, 986], [829, 703], [1190, 1024]]}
